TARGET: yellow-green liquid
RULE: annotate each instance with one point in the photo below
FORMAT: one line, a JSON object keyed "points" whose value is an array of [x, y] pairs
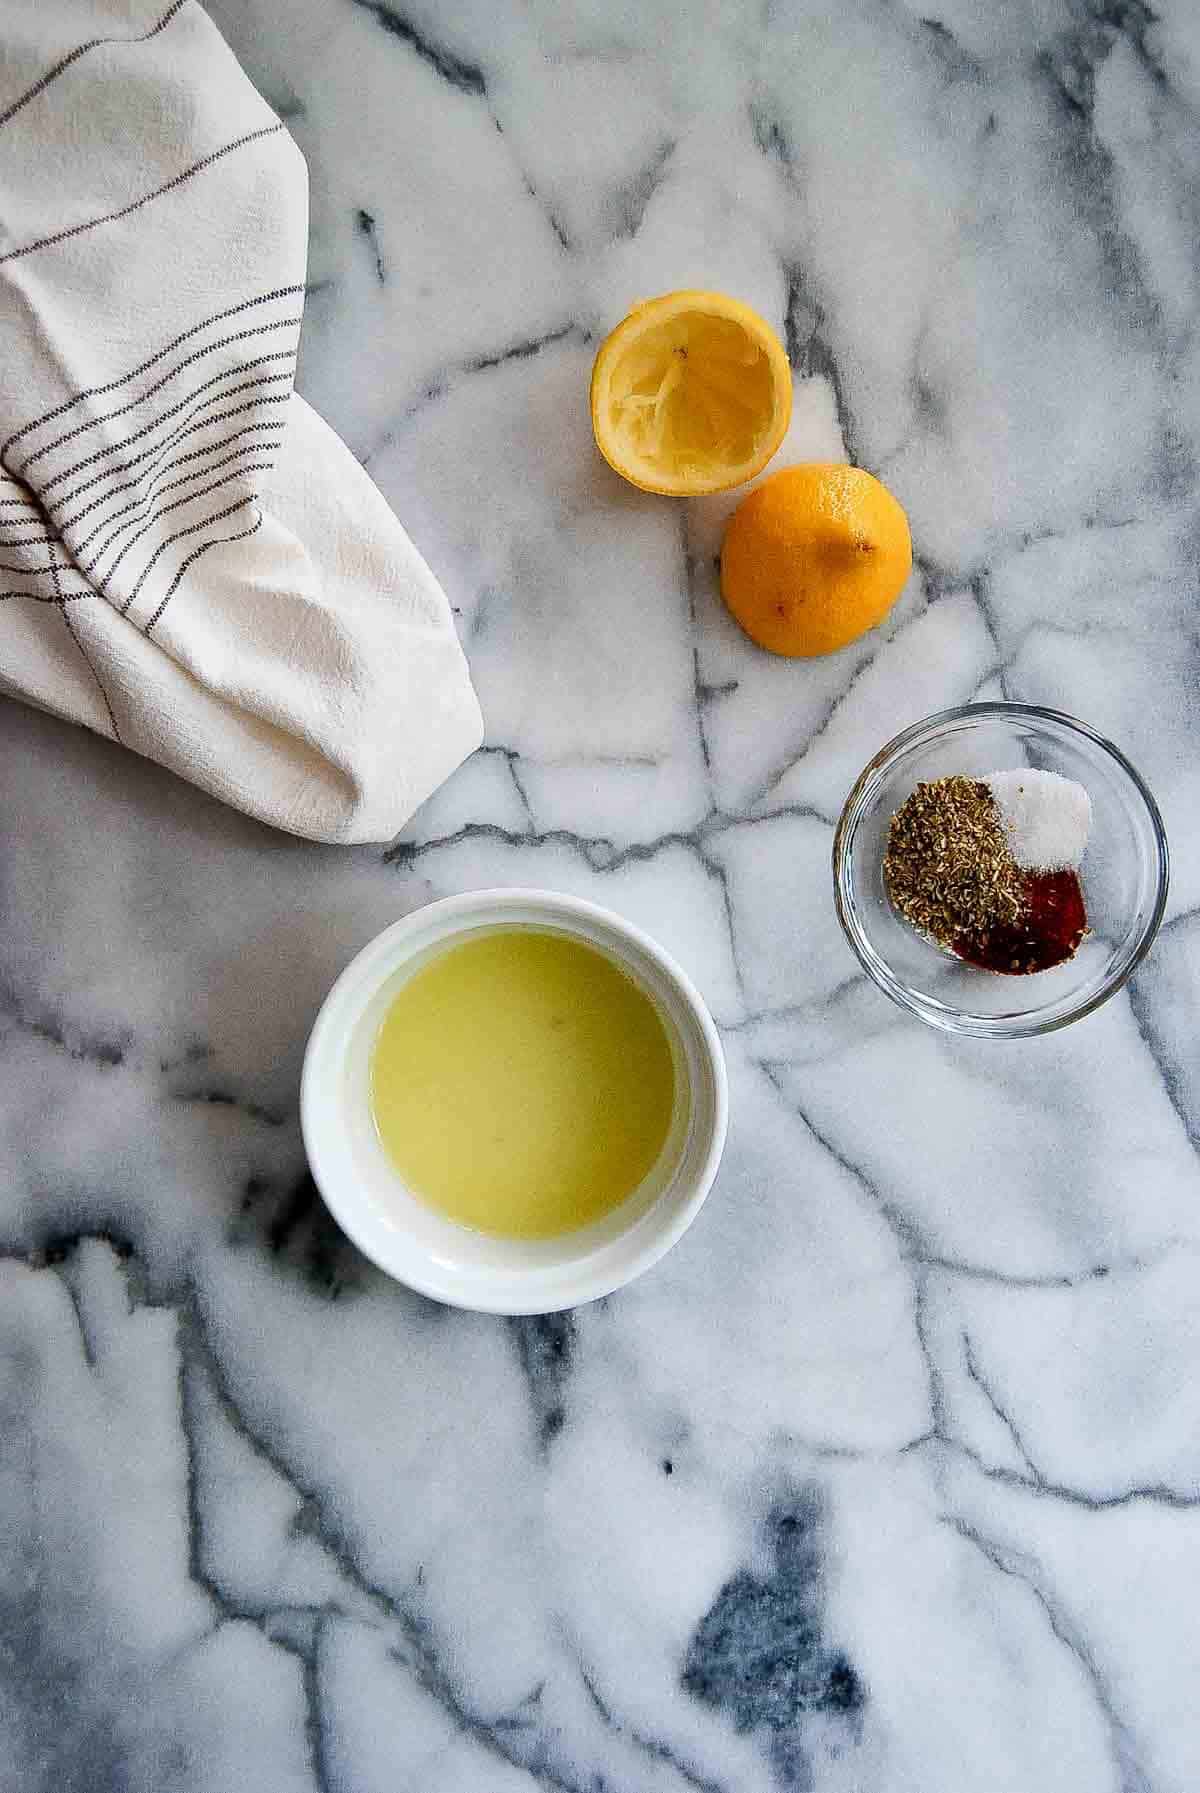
{"points": [[522, 1083]]}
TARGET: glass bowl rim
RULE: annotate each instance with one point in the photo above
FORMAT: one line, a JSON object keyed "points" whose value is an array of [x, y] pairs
{"points": [[965, 1021]]}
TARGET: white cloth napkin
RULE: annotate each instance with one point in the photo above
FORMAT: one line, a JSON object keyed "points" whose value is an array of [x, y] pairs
{"points": [[191, 562]]}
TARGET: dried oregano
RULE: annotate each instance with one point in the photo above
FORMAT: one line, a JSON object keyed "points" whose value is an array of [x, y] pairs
{"points": [[948, 868]]}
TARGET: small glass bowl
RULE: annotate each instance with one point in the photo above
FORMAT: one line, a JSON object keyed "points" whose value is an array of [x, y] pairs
{"points": [[1123, 874]]}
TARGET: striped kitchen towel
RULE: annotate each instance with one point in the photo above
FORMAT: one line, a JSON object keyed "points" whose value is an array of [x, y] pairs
{"points": [[191, 562]]}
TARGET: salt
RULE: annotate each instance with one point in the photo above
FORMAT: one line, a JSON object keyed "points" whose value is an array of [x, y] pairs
{"points": [[1047, 818]]}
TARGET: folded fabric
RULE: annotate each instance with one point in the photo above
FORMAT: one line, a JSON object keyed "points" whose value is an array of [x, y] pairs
{"points": [[191, 562]]}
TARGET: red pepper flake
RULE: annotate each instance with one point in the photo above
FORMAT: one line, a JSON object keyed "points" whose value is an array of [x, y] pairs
{"points": [[1048, 933]]}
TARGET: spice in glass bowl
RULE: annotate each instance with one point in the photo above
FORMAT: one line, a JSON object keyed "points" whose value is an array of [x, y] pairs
{"points": [[960, 867]]}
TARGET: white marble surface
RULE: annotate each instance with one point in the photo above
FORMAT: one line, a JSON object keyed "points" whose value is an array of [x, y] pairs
{"points": [[888, 1478]]}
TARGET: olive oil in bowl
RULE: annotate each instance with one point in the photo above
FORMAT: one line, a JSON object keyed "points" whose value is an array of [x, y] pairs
{"points": [[523, 1084]]}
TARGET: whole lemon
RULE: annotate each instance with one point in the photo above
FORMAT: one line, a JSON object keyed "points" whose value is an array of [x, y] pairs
{"points": [[814, 557]]}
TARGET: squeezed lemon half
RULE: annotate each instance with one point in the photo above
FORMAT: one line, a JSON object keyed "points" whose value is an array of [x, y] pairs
{"points": [[691, 393]]}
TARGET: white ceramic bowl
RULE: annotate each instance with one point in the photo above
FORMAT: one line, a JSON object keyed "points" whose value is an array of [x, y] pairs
{"points": [[449, 1262]]}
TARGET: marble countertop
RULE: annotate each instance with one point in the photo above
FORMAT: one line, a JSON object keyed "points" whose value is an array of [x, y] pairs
{"points": [[887, 1479]]}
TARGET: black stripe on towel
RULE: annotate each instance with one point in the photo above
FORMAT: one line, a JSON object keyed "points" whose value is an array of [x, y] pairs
{"points": [[283, 292], [157, 486], [60, 68], [135, 205], [28, 541], [48, 597], [94, 423], [192, 529], [196, 406], [160, 448], [216, 542], [51, 566], [164, 463], [177, 504], [87, 658]]}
